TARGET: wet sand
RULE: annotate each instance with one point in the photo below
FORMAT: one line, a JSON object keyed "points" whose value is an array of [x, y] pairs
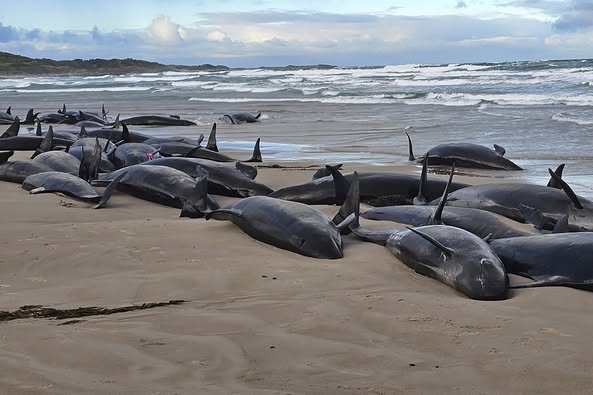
{"points": [[259, 319]]}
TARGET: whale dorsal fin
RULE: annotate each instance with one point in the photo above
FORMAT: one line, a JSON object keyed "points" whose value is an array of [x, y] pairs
{"points": [[197, 207], [567, 189], [46, 144], [211, 145], [341, 186], [420, 199], [8, 110], [256, 156], [30, 117], [446, 250], [436, 217], [13, 129], [38, 130], [125, 133], [533, 216], [82, 133], [552, 183], [561, 226], [411, 157], [499, 150]]}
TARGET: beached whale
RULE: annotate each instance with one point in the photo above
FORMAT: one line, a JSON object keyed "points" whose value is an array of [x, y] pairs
{"points": [[466, 155], [30, 143], [448, 254], [518, 201], [68, 184], [223, 179], [479, 222], [129, 154], [160, 184], [292, 226], [115, 134], [18, 170], [59, 161], [157, 120], [241, 117], [550, 260], [8, 118], [378, 189]]}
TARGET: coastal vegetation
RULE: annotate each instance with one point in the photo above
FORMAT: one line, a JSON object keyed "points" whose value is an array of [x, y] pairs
{"points": [[13, 65]]}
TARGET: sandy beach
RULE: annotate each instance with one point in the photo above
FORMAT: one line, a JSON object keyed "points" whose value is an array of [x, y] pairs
{"points": [[258, 319]]}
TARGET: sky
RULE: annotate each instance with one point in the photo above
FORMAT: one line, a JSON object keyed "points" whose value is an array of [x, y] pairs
{"points": [[252, 33]]}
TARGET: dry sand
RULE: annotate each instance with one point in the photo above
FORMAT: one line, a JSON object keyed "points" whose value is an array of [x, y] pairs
{"points": [[258, 319]]}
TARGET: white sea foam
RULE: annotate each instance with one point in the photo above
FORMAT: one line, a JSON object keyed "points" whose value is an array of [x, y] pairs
{"points": [[74, 90], [573, 118]]}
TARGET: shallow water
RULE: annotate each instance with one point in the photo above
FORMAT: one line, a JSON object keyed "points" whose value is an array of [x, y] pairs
{"points": [[541, 112]]}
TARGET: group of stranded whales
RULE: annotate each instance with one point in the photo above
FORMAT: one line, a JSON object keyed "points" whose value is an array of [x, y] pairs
{"points": [[469, 237]]}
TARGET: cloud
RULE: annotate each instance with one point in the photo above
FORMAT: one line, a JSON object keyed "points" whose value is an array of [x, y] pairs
{"points": [[164, 31], [247, 39], [461, 4]]}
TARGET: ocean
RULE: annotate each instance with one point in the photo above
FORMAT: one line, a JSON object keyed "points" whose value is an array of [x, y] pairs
{"points": [[541, 112]]}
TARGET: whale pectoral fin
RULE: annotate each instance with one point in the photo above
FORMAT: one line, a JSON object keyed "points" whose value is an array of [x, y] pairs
{"points": [[446, 250], [200, 139], [225, 214], [344, 226], [109, 190], [556, 281], [258, 115], [351, 205], [429, 271], [38, 190], [499, 150]]}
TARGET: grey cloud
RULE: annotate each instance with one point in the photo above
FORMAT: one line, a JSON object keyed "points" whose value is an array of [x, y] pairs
{"points": [[578, 16], [8, 33], [461, 4], [571, 15], [288, 17]]}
